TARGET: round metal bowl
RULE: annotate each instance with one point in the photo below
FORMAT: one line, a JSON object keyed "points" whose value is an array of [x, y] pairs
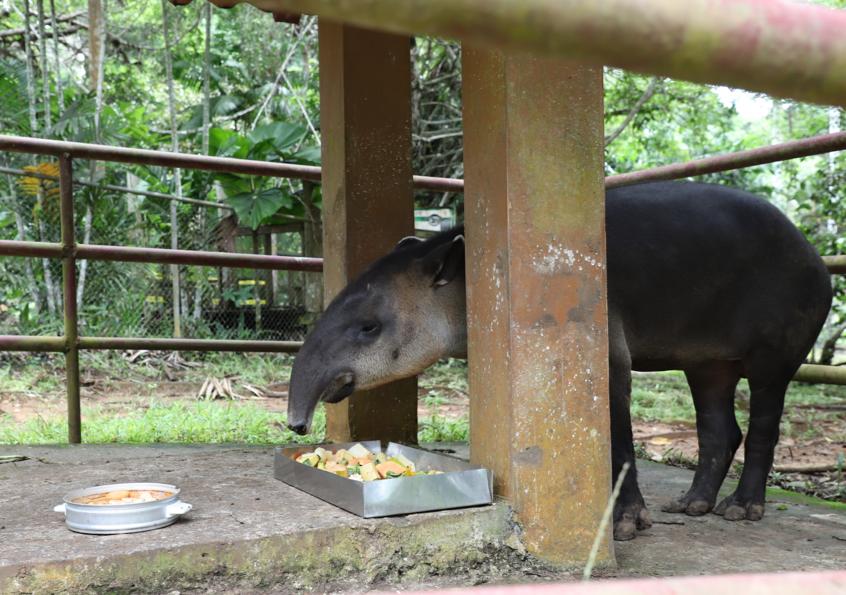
{"points": [[106, 519]]}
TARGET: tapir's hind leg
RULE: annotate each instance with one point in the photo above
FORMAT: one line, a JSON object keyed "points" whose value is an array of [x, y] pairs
{"points": [[712, 385], [766, 405], [630, 513]]}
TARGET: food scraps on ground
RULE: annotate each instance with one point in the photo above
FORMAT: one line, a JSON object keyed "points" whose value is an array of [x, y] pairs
{"points": [[359, 464], [123, 497]]}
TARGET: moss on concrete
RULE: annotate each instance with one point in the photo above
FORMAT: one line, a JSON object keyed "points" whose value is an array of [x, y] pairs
{"points": [[797, 498], [402, 550]]}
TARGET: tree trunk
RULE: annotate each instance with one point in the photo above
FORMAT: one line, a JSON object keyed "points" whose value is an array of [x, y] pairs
{"points": [[30, 276], [45, 71], [256, 278], [198, 287], [59, 92], [96, 40], [312, 246], [829, 346], [30, 73], [207, 81], [33, 125], [177, 175], [83, 265]]}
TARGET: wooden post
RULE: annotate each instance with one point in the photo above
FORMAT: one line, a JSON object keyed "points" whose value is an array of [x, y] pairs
{"points": [[365, 116], [537, 314]]}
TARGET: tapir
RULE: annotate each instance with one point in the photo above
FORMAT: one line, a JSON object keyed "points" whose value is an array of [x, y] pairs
{"points": [[702, 278]]}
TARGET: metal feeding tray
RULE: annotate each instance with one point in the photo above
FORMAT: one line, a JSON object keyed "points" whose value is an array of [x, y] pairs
{"points": [[459, 486]]}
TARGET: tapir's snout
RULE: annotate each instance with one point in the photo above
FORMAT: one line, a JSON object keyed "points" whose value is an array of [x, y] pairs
{"points": [[313, 381], [301, 429]]}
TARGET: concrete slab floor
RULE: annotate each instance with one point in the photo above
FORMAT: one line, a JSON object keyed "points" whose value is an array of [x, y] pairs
{"points": [[250, 532]]}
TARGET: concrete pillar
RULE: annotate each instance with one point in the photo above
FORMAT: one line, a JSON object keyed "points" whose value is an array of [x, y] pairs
{"points": [[537, 313], [365, 121]]}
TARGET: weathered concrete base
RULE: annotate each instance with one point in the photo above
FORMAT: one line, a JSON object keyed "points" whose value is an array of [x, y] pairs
{"points": [[249, 532]]}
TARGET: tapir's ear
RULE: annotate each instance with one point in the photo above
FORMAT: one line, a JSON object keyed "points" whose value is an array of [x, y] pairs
{"points": [[449, 262], [407, 241]]}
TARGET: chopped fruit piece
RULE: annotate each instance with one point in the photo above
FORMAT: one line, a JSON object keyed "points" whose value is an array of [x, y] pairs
{"points": [[359, 451], [336, 468], [309, 459], [359, 464], [403, 461], [344, 457], [369, 473], [390, 469]]}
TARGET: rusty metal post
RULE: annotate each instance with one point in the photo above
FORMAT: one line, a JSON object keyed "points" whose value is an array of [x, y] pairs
{"points": [[69, 298], [365, 117], [537, 314]]}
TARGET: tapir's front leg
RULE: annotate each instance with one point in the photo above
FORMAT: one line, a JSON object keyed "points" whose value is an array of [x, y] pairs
{"points": [[630, 513]]}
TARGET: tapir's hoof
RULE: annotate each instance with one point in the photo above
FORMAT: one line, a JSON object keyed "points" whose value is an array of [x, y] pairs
{"points": [[734, 510], [624, 529], [634, 518], [689, 505]]}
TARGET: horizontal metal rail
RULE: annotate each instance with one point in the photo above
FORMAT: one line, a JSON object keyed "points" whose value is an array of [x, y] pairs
{"points": [[41, 146], [59, 344], [794, 149], [162, 256], [836, 264], [820, 374], [193, 201], [816, 145], [122, 343], [812, 373]]}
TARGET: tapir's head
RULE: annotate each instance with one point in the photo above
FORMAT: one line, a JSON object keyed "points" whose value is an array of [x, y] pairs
{"points": [[401, 315]]}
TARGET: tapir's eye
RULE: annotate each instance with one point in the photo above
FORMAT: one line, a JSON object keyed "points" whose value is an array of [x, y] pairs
{"points": [[371, 329]]}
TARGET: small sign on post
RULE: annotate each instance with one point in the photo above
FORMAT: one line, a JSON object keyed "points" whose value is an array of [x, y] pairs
{"points": [[433, 219]]}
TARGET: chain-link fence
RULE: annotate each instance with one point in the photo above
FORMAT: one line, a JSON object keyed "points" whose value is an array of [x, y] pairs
{"points": [[140, 299]]}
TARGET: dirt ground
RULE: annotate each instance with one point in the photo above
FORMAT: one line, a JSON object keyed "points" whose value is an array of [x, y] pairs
{"points": [[811, 462]]}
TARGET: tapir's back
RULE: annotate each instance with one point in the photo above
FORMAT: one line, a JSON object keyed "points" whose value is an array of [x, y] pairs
{"points": [[704, 271]]}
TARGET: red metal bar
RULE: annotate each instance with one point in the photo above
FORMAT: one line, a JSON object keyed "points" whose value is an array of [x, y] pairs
{"points": [[805, 147], [121, 343], [69, 298]]}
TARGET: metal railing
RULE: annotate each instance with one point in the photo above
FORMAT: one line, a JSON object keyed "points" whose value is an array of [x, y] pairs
{"points": [[69, 251]]}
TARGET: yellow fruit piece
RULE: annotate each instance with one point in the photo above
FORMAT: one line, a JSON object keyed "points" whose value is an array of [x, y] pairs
{"points": [[368, 472]]}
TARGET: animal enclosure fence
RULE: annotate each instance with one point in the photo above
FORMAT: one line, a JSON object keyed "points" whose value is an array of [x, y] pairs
{"points": [[68, 251]]}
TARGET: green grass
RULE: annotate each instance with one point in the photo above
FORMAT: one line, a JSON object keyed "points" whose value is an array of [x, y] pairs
{"points": [[661, 397], [665, 397], [196, 422], [211, 422]]}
